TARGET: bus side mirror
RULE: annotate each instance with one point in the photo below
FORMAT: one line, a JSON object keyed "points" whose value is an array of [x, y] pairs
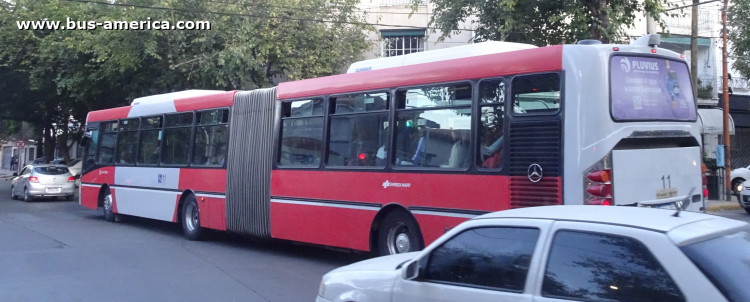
{"points": [[411, 272], [85, 139]]}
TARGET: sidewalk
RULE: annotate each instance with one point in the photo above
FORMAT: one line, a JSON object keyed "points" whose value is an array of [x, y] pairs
{"points": [[722, 205], [5, 173]]}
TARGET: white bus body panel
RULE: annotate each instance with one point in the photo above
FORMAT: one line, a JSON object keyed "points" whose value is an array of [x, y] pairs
{"points": [[590, 133], [657, 176], [465, 51]]}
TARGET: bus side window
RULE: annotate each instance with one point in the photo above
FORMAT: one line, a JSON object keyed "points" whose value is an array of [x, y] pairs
{"points": [[127, 141], [91, 148], [107, 144], [211, 133], [433, 127], [177, 129], [536, 94], [358, 130], [150, 141], [491, 117], [301, 133]]}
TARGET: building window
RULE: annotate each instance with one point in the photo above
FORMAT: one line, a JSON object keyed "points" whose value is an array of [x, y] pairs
{"points": [[402, 42], [400, 2]]}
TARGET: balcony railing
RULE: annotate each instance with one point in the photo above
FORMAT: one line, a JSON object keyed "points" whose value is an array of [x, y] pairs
{"points": [[400, 2], [704, 20]]}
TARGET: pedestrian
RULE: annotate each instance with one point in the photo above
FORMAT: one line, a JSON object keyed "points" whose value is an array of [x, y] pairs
{"points": [[14, 163]]}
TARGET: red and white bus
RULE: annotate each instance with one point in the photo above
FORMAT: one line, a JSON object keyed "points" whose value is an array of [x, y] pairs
{"points": [[389, 159]]}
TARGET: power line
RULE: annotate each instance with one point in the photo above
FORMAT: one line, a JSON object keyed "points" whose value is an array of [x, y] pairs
{"points": [[254, 16]]}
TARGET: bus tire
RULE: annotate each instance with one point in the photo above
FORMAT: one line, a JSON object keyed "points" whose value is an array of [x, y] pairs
{"points": [[108, 206], [399, 233], [191, 224]]}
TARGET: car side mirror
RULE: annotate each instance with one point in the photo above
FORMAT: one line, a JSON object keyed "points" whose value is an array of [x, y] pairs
{"points": [[15, 174], [411, 272]]}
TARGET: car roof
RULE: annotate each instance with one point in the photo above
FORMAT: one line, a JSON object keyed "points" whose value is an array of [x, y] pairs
{"points": [[48, 165], [646, 218]]}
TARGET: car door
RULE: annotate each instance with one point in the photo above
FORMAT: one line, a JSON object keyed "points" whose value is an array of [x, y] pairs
{"points": [[601, 262], [19, 181], [486, 260]]}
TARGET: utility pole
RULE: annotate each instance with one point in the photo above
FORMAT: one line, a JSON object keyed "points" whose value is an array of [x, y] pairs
{"points": [[694, 47], [725, 96]]}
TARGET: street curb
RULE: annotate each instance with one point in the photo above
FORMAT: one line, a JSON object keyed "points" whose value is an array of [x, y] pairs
{"points": [[728, 207]]}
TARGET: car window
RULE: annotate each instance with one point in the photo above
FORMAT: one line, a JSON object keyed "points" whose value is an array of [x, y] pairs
{"points": [[74, 162], [591, 266], [24, 171], [51, 170], [494, 257], [726, 262]]}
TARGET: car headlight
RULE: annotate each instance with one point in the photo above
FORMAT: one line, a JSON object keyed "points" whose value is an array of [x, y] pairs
{"points": [[322, 289], [739, 188]]}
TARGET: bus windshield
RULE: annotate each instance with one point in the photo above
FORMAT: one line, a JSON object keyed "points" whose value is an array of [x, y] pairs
{"points": [[650, 89]]}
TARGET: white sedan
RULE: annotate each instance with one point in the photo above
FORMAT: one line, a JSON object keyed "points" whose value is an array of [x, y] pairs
{"points": [[562, 253]]}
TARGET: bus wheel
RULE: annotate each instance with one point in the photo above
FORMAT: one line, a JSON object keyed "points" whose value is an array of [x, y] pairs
{"points": [[191, 223], [108, 207], [398, 233]]}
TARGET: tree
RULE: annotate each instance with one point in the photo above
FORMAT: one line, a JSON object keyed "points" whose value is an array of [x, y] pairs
{"points": [[739, 36], [542, 22], [52, 78]]}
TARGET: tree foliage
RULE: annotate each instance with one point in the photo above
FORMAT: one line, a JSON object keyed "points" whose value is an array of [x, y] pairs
{"points": [[542, 22], [52, 78], [739, 35]]}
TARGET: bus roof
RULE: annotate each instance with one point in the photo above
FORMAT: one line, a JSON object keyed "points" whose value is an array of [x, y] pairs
{"points": [[181, 101], [464, 51], [543, 59]]}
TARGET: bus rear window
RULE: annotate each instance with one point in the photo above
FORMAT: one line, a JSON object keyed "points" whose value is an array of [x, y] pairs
{"points": [[650, 89]]}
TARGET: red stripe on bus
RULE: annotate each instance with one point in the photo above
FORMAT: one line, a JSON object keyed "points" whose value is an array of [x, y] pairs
{"points": [[114, 200], [104, 175], [108, 114], [176, 207], [456, 191], [433, 226], [516, 62], [213, 213], [206, 180], [89, 197], [223, 99], [346, 228]]}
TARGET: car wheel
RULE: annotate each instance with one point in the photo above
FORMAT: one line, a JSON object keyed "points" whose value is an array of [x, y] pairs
{"points": [[69, 198], [399, 233], [12, 195], [26, 196], [108, 207], [747, 210], [191, 223], [736, 185]]}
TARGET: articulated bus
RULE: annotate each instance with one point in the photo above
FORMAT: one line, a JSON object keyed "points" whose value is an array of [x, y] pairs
{"points": [[390, 157]]}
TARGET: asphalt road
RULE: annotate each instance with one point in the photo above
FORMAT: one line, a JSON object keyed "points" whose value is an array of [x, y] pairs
{"points": [[61, 251]]}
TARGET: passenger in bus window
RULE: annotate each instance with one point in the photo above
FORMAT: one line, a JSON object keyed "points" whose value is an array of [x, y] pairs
{"points": [[491, 153], [459, 155], [419, 152]]}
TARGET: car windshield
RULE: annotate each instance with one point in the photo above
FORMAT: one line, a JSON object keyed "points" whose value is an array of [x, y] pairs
{"points": [[51, 170], [726, 261]]}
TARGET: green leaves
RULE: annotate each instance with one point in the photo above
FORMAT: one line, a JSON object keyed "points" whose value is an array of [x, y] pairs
{"points": [[542, 22], [739, 36]]}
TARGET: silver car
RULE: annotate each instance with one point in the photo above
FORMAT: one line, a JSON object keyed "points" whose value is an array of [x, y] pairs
{"points": [[43, 180]]}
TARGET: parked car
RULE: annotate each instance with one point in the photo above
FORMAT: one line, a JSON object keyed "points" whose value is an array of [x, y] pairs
{"points": [[562, 253], [74, 166], [43, 180], [738, 177], [744, 197]]}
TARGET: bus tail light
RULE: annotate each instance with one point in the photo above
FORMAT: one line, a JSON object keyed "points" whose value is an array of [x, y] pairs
{"points": [[703, 168], [705, 180], [600, 202], [601, 190], [33, 179], [602, 176], [600, 187], [705, 192]]}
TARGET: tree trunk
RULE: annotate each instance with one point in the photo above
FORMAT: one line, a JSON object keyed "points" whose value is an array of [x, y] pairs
{"points": [[604, 18], [49, 143], [62, 143]]}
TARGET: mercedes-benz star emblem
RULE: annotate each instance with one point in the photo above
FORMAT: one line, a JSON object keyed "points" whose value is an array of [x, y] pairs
{"points": [[535, 173]]}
